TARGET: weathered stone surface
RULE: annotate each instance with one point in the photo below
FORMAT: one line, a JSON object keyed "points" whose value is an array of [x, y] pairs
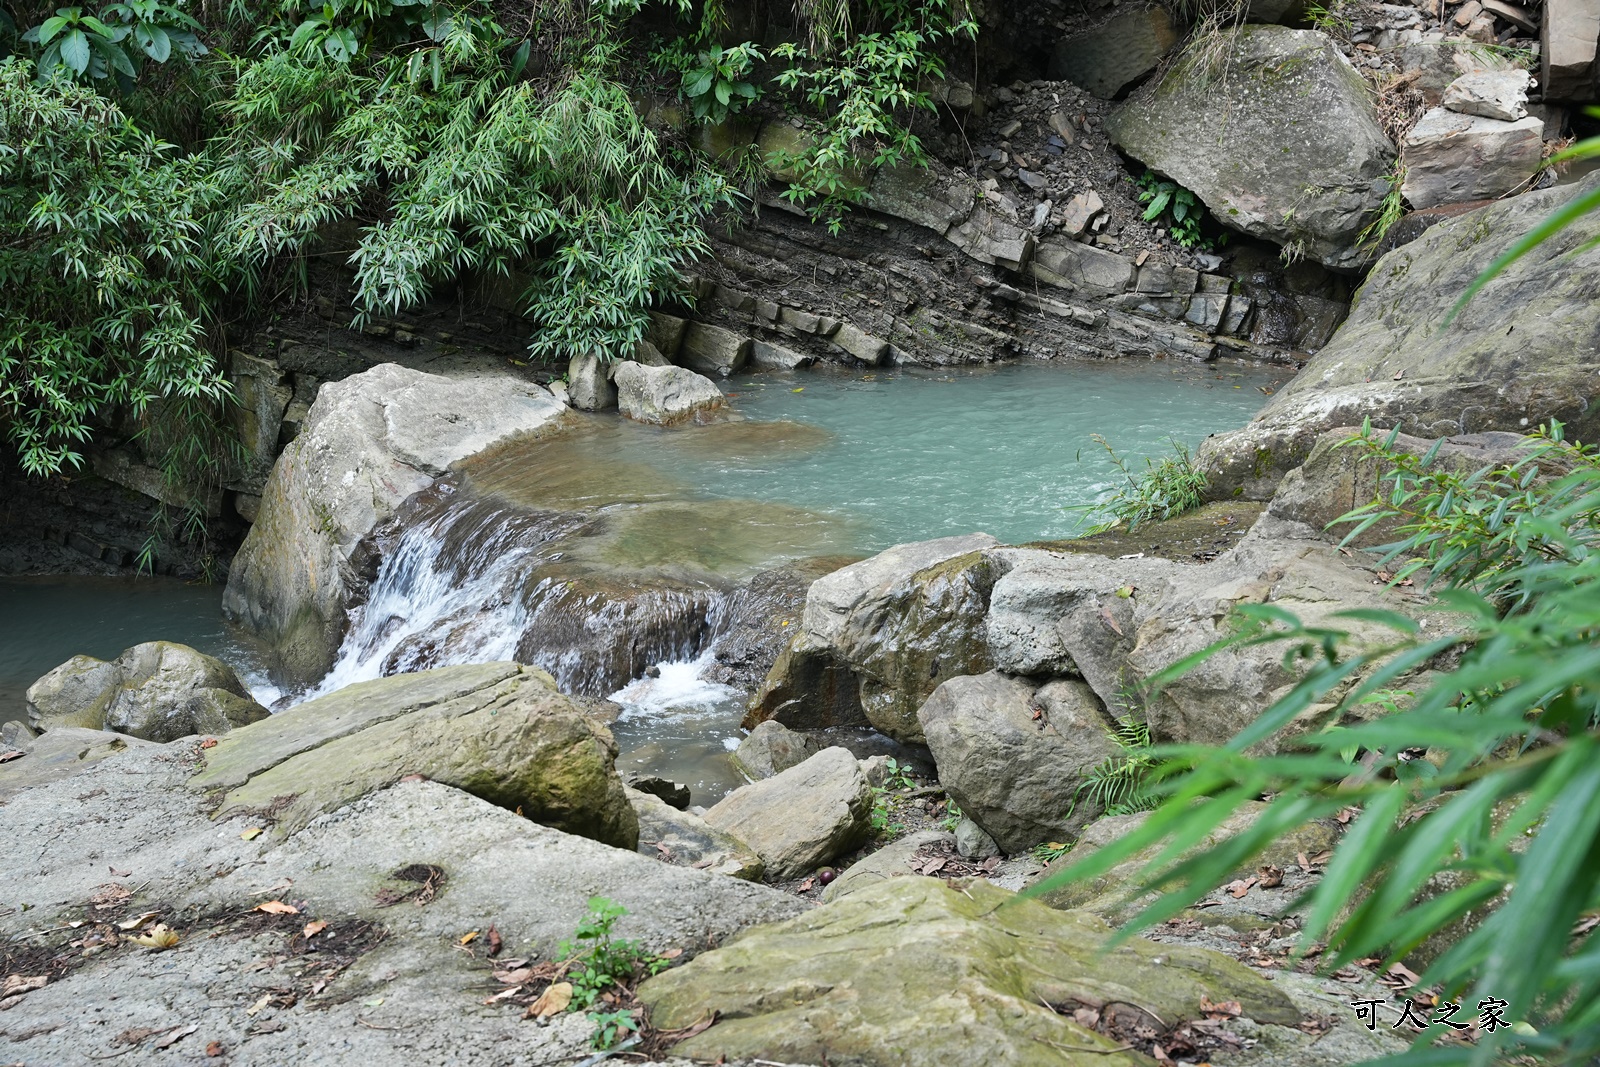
{"points": [[974, 843], [61, 752], [1281, 143], [908, 193], [1494, 94], [1525, 349], [158, 691], [772, 748], [647, 354], [666, 396], [891, 861], [764, 355], [1083, 268], [869, 977], [988, 238], [369, 442], [1452, 158], [803, 817], [589, 385], [666, 335], [686, 840], [878, 636], [1568, 40], [263, 394], [1117, 54], [712, 350], [1080, 211], [499, 731], [1015, 775], [673, 794], [1113, 894], [860, 344]]}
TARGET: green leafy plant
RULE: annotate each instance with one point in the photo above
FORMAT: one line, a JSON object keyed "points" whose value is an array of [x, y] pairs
{"points": [[611, 1028], [1120, 783], [715, 84], [598, 960], [1506, 806], [1178, 209], [115, 44], [1389, 212], [899, 774], [952, 816], [1165, 489]]}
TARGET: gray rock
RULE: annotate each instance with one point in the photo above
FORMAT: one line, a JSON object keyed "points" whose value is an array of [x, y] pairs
{"points": [[498, 730], [589, 385], [685, 840], [878, 636], [1282, 142], [989, 238], [801, 818], [262, 392], [647, 355], [1116, 54], [765, 355], [1494, 94], [1015, 774], [158, 691], [61, 752], [1092, 271], [712, 350], [369, 442], [1525, 349], [673, 794], [772, 748], [666, 334], [1080, 211], [860, 345], [913, 194], [1452, 158], [666, 396], [890, 861], [16, 736], [973, 843], [1568, 40]]}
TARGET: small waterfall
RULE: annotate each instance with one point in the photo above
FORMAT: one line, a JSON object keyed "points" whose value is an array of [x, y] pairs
{"points": [[467, 580]]}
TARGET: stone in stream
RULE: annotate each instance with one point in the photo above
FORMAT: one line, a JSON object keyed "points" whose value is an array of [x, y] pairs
{"points": [[673, 794], [802, 818], [499, 731], [913, 972], [687, 840], [1453, 158], [712, 350], [368, 443], [666, 396], [1013, 755], [1523, 350], [158, 691], [772, 748], [878, 636], [1281, 141], [589, 385]]}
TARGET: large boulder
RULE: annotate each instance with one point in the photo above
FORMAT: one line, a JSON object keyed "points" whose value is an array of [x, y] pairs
{"points": [[158, 691], [1453, 158], [1014, 755], [1524, 350], [666, 396], [804, 817], [1279, 139], [499, 731], [880, 635], [1118, 53], [912, 972], [369, 442]]}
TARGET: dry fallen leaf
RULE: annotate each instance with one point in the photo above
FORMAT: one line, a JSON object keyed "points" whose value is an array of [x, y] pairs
{"points": [[467, 938], [1270, 877], [672, 953], [1227, 1009], [17, 984], [509, 991], [1238, 888], [252, 833], [214, 1049], [552, 1001], [137, 921], [313, 929], [258, 1005], [118, 874], [276, 907], [161, 936], [210, 742], [807, 885], [173, 1036], [495, 942], [8, 756]]}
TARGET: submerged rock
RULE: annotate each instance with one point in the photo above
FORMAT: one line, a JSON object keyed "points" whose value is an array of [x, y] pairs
{"points": [[666, 396], [802, 818], [158, 691], [1524, 350], [912, 972], [369, 442], [1013, 755], [499, 731], [1280, 140]]}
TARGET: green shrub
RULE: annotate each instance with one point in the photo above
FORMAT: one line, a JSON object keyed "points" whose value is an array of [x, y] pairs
{"points": [[1165, 489], [1179, 210]]}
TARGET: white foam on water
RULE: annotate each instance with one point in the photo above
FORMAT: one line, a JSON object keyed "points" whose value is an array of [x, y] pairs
{"points": [[678, 686]]}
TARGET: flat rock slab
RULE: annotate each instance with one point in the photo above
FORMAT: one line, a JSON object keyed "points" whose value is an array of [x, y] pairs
{"points": [[914, 973], [61, 753], [499, 731]]}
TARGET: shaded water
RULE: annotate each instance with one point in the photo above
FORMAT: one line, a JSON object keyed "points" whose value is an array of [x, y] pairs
{"points": [[611, 548]]}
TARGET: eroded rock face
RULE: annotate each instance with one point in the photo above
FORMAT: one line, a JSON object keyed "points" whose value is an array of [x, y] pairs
{"points": [[1116, 55], [880, 635], [1013, 755], [369, 442], [1524, 350], [1282, 143], [803, 817], [910, 971], [666, 396], [499, 731], [158, 691]]}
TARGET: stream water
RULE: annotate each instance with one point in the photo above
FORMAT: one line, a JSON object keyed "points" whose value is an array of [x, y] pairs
{"points": [[612, 549]]}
